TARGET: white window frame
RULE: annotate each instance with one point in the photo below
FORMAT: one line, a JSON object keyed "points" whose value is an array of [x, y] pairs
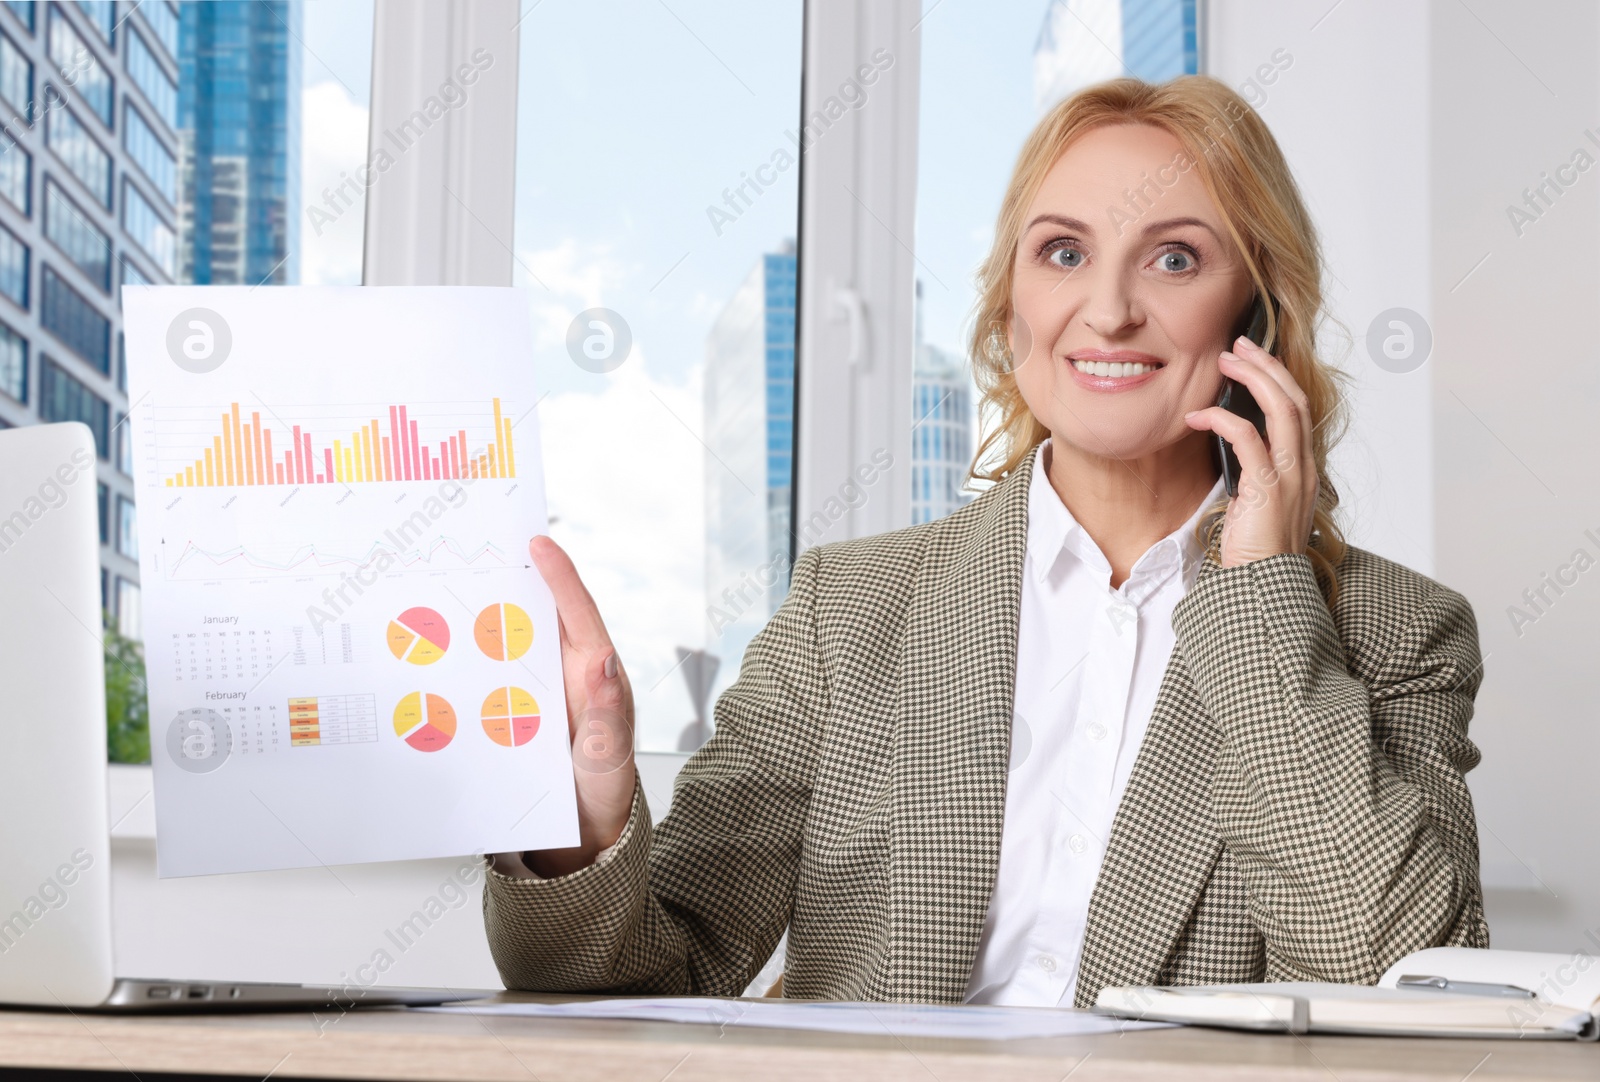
{"points": [[442, 214], [858, 188]]}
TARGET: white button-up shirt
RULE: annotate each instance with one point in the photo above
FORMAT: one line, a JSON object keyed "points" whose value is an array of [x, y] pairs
{"points": [[1089, 662]]}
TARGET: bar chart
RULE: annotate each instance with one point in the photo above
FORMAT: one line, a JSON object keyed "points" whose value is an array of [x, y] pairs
{"points": [[245, 450]]}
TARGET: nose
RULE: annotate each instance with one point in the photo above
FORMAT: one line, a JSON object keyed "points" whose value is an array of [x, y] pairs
{"points": [[1111, 309]]}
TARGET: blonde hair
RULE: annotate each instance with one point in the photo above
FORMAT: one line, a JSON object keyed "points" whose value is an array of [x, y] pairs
{"points": [[1244, 171]]}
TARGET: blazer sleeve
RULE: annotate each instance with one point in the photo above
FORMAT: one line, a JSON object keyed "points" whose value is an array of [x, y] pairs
{"points": [[1343, 803], [697, 904]]}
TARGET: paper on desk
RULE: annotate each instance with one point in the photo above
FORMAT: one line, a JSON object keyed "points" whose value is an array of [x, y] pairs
{"points": [[349, 657], [968, 1022]]}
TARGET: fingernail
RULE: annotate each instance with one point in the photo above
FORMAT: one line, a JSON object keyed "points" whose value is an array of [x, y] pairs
{"points": [[1243, 340], [1190, 414], [611, 665]]}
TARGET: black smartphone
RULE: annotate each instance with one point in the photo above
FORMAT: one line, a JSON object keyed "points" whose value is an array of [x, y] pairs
{"points": [[1235, 397]]}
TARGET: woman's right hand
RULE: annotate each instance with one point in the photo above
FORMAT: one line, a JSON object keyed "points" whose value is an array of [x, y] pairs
{"points": [[599, 717]]}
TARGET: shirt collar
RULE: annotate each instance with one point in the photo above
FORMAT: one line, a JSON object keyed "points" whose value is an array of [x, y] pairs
{"points": [[1052, 529]]}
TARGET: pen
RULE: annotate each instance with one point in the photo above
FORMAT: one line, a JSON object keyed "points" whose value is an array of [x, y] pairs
{"points": [[1465, 988]]}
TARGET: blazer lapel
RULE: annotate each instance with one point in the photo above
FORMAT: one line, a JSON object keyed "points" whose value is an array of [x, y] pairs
{"points": [[955, 686], [1164, 842]]}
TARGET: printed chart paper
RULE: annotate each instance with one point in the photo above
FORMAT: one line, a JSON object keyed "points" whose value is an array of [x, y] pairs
{"points": [[965, 1021], [350, 657]]}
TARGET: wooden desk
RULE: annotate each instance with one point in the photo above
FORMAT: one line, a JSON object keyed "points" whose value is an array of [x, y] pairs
{"points": [[395, 1044]]}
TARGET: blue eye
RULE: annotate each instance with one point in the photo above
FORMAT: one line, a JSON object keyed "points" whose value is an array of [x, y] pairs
{"points": [[1186, 258], [1064, 263]]}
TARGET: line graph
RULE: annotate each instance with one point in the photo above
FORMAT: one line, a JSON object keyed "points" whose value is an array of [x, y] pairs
{"points": [[192, 561]]}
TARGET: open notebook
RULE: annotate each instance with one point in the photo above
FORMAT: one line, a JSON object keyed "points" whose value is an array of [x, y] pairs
{"points": [[1439, 992]]}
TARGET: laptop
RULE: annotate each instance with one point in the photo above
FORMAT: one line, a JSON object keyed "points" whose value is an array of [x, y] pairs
{"points": [[55, 859]]}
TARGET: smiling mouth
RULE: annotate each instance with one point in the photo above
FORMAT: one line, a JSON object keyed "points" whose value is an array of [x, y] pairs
{"points": [[1114, 369]]}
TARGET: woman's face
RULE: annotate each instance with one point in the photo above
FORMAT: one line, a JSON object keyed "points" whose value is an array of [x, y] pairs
{"points": [[1122, 300]]}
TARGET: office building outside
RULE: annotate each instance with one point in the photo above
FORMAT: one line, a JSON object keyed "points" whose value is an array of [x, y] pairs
{"points": [[749, 464], [1088, 41], [239, 142], [941, 434], [88, 202], [942, 424]]}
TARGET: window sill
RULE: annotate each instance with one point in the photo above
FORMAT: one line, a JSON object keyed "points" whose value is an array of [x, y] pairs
{"points": [[133, 811]]}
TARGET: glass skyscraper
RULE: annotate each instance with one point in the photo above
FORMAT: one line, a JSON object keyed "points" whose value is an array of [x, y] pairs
{"points": [[238, 121], [88, 168], [98, 188], [749, 437], [1086, 41], [942, 423]]}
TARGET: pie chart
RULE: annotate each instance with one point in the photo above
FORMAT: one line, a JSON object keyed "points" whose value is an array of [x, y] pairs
{"points": [[425, 721], [419, 636], [504, 632], [510, 716]]}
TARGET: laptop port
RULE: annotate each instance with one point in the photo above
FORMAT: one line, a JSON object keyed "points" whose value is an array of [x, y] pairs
{"points": [[199, 991], [160, 991]]}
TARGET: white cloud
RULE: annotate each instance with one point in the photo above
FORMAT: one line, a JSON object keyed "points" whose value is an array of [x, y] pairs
{"points": [[566, 280], [625, 477], [333, 145]]}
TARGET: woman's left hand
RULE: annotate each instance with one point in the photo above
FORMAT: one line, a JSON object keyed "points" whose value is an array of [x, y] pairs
{"points": [[1277, 497]]}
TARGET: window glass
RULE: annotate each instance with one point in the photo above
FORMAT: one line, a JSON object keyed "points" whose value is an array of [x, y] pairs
{"points": [[133, 275], [16, 80], [1027, 57], [149, 153], [75, 321], [13, 268], [127, 528], [80, 66], [102, 16], [161, 19], [13, 364], [152, 79], [70, 230], [128, 608], [63, 397], [148, 229], [661, 263], [16, 173], [23, 10], [71, 142]]}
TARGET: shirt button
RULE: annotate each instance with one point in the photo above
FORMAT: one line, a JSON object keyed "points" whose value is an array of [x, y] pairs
{"points": [[1097, 731], [1077, 843], [1047, 963]]}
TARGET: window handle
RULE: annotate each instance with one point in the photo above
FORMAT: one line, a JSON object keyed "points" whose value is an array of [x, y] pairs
{"points": [[849, 305]]}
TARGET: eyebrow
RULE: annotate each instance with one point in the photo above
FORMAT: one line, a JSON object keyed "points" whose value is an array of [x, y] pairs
{"points": [[1084, 227]]}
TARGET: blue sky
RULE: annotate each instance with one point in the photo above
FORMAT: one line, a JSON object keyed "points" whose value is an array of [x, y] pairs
{"points": [[336, 89], [977, 108]]}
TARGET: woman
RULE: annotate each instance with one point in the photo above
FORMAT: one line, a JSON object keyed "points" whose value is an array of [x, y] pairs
{"points": [[1104, 725]]}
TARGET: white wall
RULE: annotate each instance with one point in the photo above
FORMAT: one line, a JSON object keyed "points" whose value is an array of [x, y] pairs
{"points": [[1350, 110], [1516, 398], [1411, 127], [310, 925]]}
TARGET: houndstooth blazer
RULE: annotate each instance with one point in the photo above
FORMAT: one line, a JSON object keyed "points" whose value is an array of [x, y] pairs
{"points": [[1296, 812]]}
